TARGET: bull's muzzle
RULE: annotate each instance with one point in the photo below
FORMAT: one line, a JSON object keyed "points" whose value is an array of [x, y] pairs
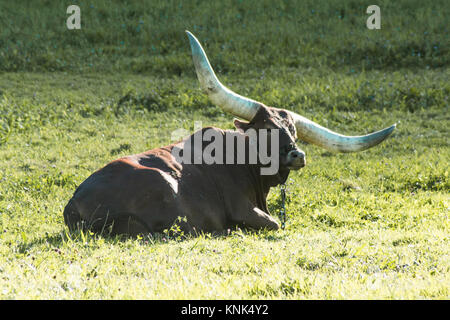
{"points": [[296, 159]]}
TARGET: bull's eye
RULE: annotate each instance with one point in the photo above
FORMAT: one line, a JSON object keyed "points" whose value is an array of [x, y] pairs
{"points": [[285, 149]]}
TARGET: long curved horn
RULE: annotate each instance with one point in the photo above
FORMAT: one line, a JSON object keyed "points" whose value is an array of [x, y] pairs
{"points": [[246, 108], [314, 133], [219, 94]]}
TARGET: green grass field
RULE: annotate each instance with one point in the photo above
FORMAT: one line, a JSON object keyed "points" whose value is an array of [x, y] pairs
{"points": [[368, 225]]}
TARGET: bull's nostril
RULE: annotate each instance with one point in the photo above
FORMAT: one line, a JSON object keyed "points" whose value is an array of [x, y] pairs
{"points": [[295, 155]]}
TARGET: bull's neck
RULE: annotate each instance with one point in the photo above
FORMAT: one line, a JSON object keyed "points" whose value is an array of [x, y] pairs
{"points": [[269, 181]]}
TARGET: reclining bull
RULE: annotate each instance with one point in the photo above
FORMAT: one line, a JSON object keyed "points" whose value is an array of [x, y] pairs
{"points": [[148, 192]]}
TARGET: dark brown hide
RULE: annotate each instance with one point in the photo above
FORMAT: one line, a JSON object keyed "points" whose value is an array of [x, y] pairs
{"points": [[147, 192]]}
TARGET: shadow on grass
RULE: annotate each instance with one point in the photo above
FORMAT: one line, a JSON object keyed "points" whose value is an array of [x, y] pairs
{"points": [[86, 238], [89, 239]]}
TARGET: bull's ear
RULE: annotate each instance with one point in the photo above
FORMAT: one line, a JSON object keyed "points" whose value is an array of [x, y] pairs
{"points": [[242, 126]]}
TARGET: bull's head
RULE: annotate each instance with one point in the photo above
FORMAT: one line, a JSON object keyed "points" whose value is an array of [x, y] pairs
{"points": [[290, 156], [252, 111]]}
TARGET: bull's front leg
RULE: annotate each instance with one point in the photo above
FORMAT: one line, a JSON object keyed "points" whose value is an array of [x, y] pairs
{"points": [[258, 219]]}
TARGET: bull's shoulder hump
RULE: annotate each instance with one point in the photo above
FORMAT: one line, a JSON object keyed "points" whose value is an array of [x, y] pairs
{"points": [[124, 163], [210, 128], [161, 159]]}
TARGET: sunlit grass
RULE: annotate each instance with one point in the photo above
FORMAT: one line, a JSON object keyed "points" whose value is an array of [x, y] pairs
{"points": [[367, 225]]}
